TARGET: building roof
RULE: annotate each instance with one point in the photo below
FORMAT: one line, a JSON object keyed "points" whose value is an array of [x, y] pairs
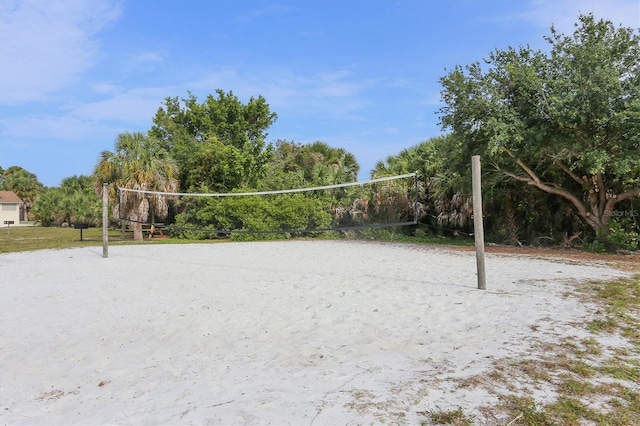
{"points": [[9, 197]]}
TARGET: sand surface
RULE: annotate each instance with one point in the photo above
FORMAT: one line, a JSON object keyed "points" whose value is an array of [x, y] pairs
{"points": [[296, 332]]}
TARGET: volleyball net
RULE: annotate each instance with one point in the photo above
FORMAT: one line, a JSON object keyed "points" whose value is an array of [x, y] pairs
{"points": [[354, 206]]}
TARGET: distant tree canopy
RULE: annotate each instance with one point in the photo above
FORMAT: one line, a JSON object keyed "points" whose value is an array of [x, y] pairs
{"points": [[219, 144], [313, 164], [73, 201], [24, 183], [566, 122]]}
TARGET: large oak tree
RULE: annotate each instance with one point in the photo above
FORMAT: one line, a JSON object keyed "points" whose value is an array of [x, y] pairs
{"points": [[566, 121]]}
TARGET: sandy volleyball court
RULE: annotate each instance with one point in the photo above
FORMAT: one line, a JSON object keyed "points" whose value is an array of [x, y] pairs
{"points": [[296, 332]]}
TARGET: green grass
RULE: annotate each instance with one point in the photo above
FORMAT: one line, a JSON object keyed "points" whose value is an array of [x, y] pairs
{"points": [[448, 417], [578, 371], [30, 238]]}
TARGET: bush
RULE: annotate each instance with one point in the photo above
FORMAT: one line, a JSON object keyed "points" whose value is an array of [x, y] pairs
{"points": [[256, 217], [622, 234]]}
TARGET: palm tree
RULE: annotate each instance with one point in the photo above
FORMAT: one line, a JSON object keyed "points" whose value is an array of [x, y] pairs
{"points": [[47, 207], [83, 205], [328, 165], [138, 162]]}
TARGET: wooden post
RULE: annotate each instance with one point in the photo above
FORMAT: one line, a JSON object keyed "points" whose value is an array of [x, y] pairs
{"points": [[105, 220], [478, 227]]}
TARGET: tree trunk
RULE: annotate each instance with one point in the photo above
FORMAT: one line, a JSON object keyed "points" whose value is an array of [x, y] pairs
{"points": [[137, 232], [511, 224]]}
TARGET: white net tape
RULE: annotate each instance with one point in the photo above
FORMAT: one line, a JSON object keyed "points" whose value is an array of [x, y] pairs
{"points": [[280, 191]]}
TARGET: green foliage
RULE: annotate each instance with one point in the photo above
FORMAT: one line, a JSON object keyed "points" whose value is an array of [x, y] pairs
{"points": [[596, 246], [219, 143], [74, 201], [443, 186], [308, 165], [253, 216], [49, 208], [622, 234], [139, 162], [566, 122], [25, 185]]}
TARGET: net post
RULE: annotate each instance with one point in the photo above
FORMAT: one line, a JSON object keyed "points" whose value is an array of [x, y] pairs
{"points": [[478, 227], [105, 221], [415, 200]]}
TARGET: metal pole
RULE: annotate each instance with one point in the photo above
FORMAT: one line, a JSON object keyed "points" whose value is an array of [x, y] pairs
{"points": [[478, 227], [105, 221]]}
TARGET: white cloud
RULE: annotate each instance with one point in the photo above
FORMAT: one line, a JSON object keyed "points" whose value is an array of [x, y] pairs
{"points": [[563, 14], [134, 107], [47, 45], [105, 88], [270, 9], [66, 128], [149, 57], [131, 110], [337, 94]]}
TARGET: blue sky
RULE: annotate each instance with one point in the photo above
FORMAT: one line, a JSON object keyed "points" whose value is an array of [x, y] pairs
{"points": [[356, 74]]}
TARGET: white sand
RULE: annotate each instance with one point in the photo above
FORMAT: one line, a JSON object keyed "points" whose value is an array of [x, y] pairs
{"points": [[298, 332]]}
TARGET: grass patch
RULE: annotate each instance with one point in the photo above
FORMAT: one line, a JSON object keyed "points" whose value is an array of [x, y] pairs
{"points": [[621, 370], [621, 296], [591, 347], [621, 299], [30, 238], [526, 409], [455, 417], [603, 325], [571, 386], [581, 368], [420, 237], [569, 410]]}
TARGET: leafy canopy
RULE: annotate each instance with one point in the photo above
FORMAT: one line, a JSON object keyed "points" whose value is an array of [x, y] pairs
{"points": [[578, 104], [566, 121], [219, 144]]}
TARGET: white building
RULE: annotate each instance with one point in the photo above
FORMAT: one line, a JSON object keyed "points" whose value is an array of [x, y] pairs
{"points": [[10, 206]]}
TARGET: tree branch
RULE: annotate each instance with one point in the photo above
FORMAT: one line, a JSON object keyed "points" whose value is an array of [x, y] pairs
{"points": [[608, 208], [634, 192], [534, 180], [567, 170]]}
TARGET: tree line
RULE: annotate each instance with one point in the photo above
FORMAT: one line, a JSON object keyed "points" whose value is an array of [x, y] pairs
{"points": [[558, 132]]}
